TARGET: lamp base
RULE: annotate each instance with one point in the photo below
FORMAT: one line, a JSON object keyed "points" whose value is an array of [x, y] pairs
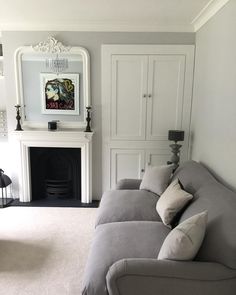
{"points": [[5, 202], [175, 149]]}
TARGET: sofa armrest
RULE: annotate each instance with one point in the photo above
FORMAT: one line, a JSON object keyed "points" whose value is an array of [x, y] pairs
{"points": [[165, 277], [128, 183]]}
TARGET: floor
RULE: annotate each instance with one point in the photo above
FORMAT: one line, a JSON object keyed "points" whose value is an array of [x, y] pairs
{"points": [[44, 250]]}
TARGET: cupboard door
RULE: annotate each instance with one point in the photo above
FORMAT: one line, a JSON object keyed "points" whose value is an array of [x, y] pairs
{"points": [[126, 163], [128, 97], [165, 104], [155, 157]]}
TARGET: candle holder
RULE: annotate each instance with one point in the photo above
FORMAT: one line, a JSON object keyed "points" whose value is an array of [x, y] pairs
{"points": [[88, 119], [18, 117]]}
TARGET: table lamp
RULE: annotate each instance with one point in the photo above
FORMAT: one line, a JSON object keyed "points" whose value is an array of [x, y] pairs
{"points": [[175, 135]]}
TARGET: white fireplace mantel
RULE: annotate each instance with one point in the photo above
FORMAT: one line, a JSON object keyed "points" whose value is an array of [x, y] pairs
{"points": [[60, 138]]}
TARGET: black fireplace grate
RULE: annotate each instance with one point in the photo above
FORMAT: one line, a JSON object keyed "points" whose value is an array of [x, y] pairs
{"points": [[58, 188]]}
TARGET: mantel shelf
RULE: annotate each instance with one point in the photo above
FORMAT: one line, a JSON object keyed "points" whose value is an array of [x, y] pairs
{"points": [[62, 134]]}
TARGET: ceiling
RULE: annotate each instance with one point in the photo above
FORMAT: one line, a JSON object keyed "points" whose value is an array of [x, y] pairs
{"points": [[107, 15]]}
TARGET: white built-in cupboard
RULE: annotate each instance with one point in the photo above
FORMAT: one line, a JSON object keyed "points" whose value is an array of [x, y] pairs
{"points": [[146, 91]]}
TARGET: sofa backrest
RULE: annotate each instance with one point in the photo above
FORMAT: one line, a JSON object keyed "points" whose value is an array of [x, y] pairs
{"points": [[193, 175], [219, 244]]}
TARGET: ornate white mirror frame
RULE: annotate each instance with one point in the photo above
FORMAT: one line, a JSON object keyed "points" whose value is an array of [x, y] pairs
{"points": [[52, 47]]}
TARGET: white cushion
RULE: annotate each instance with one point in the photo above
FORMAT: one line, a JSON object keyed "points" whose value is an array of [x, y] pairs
{"points": [[171, 202], [184, 241], [156, 179]]}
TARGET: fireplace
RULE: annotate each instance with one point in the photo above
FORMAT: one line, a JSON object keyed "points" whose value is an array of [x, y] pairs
{"points": [[55, 173], [65, 146]]}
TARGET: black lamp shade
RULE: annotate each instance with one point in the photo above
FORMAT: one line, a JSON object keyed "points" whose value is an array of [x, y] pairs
{"points": [[4, 179], [176, 135]]}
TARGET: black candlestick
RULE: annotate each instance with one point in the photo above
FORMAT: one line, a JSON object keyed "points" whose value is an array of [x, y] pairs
{"points": [[88, 119], [18, 117]]}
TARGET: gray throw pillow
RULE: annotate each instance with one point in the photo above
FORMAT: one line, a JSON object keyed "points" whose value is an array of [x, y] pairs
{"points": [[171, 202], [156, 179], [184, 241]]}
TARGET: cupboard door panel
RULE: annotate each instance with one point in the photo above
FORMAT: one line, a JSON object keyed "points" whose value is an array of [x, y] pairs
{"points": [[128, 104], [126, 163], [155, 157], [166, 93]]}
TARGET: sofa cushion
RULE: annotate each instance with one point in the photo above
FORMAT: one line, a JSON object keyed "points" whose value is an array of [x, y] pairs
{"points": [[171, 202], [156, 179], [220, 240], [127, 205], [184, 241], [115, 241]]}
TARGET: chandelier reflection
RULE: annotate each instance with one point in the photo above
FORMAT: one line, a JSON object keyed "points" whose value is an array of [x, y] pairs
{"points": [[57, 65]]}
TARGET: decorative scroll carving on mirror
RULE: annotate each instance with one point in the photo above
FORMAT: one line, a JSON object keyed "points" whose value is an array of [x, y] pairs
{"points": [[51, 46], [53, 83]]}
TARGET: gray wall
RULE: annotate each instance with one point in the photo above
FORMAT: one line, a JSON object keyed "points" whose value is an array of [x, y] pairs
{"points": [[214, 107], [91, 41]]}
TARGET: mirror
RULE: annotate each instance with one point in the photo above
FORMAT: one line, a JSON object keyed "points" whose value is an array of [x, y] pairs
{"points": [[53, 83]]}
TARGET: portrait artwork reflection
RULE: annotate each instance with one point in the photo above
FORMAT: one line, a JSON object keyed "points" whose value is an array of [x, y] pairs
{"points": [[60, 94]]}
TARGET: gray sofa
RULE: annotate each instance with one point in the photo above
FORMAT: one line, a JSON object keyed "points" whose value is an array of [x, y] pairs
{"points": [[129, 234]]}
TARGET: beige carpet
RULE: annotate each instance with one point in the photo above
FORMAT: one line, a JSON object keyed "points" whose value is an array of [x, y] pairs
{"points": [[43, 251]]}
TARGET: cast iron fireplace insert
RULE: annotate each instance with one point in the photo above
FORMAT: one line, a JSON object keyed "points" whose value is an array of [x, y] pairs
{"points": [[55, 173]]}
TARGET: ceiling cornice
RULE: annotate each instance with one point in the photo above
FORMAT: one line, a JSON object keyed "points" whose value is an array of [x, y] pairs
{"points": [[207, 13], [96, 27]]}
